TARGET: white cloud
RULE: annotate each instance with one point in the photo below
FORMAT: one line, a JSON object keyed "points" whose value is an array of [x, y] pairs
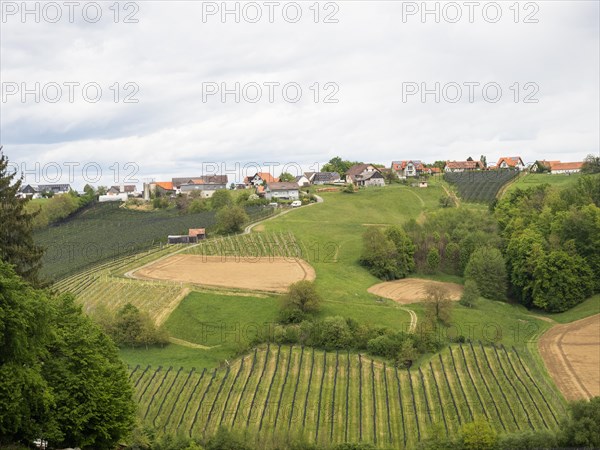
{"points": [[170, 53]]}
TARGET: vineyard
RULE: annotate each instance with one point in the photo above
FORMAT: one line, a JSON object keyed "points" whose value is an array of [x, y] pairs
{"points": [[280, 391], [252, 246], [106, 231], [480, 186]]}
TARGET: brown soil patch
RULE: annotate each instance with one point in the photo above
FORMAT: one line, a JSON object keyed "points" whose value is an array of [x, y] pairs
{"points": [[572, 355], [412, 290], [261, 274]]}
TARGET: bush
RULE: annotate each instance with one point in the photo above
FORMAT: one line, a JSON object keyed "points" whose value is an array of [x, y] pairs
{"points": [[231, 220], [301, 300], [487, 268], [388, 255], [581, 429], [221, 199], [478, 435]]}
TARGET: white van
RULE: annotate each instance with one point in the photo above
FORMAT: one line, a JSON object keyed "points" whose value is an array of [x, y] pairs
{"points": [[296, 203]]}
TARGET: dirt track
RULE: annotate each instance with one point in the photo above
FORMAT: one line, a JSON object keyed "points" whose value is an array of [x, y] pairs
{"points": [[262, 274], [572, 355], [412, 290]]}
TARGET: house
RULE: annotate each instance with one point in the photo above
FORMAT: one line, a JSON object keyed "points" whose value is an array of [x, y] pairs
{"points": [[207, 185], [282, 190], [129, 189], [182, 239], [310, 176], [432, 170], [405, 169], [461, 166], [510, 162], [302, 181], [556, 167], [200, 233], [260, 178], [423, 184], [326, 178], [365, 175], [164, 187], [39, 190]]}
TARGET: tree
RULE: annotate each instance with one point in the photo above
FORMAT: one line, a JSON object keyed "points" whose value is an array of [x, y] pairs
{"points": [[483, 160], [447, 201], [388, 255], [220, 199], [102, 190], [16, 240], [591, 164], [302, 296], [231, 220], [562, 280], [581, 429], [131, 327], [60, 376], [478, 435], [487, 268], [470, 294], [433, 259], [438, 306], [232, 186], [338, 165], [452, 258], [287, 177]]}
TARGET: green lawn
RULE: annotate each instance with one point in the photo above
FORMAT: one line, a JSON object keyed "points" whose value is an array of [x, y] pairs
{"points": [[536, 179], [588, 308]]}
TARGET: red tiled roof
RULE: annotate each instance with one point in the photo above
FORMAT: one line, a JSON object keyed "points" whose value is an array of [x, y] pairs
{"points": [[511, 161], [267, 177], [557, 165], [464, 164], [166, 185]]}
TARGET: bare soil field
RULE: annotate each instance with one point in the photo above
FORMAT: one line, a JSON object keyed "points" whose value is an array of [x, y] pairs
{"points": [[572, 355], [262, 274], [412, 290]]}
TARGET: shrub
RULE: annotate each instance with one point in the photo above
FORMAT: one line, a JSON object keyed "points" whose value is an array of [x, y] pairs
{"points": [[478, 435], [302, 296], [231, 220]]}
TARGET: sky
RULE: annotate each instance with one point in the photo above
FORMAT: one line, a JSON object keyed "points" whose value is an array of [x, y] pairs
{"points": [[121, 92]]}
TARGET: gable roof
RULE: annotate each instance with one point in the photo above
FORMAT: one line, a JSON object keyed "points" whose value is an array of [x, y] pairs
{"points": [[464, 165], [557, 165], [511, 161], [266, 177], [128, 188], [309, 175], [326, 177], [401, 165], [166, 185], [206, 179], [282, 186]]}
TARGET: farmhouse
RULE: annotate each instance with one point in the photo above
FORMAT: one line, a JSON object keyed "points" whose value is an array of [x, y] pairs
{"points": [[326, 178], [461, 166], [260, 178], [510, 162], [282, 190], [405, 169], [365, 175], [310, 176], [207, 184], [200, 233], [432, 170], [556, 167], [302, 181], [129, 189], [38, 191]]}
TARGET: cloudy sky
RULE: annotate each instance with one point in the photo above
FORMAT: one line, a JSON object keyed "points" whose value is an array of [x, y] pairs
{"points": [[160, 89]]}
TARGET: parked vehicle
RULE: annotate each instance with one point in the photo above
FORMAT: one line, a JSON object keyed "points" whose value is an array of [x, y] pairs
{"points": [[296, 203]]}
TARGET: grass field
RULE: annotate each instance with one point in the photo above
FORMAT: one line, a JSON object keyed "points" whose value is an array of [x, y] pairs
{"points": [[588, 308], [278, 392], [537, 179]]}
